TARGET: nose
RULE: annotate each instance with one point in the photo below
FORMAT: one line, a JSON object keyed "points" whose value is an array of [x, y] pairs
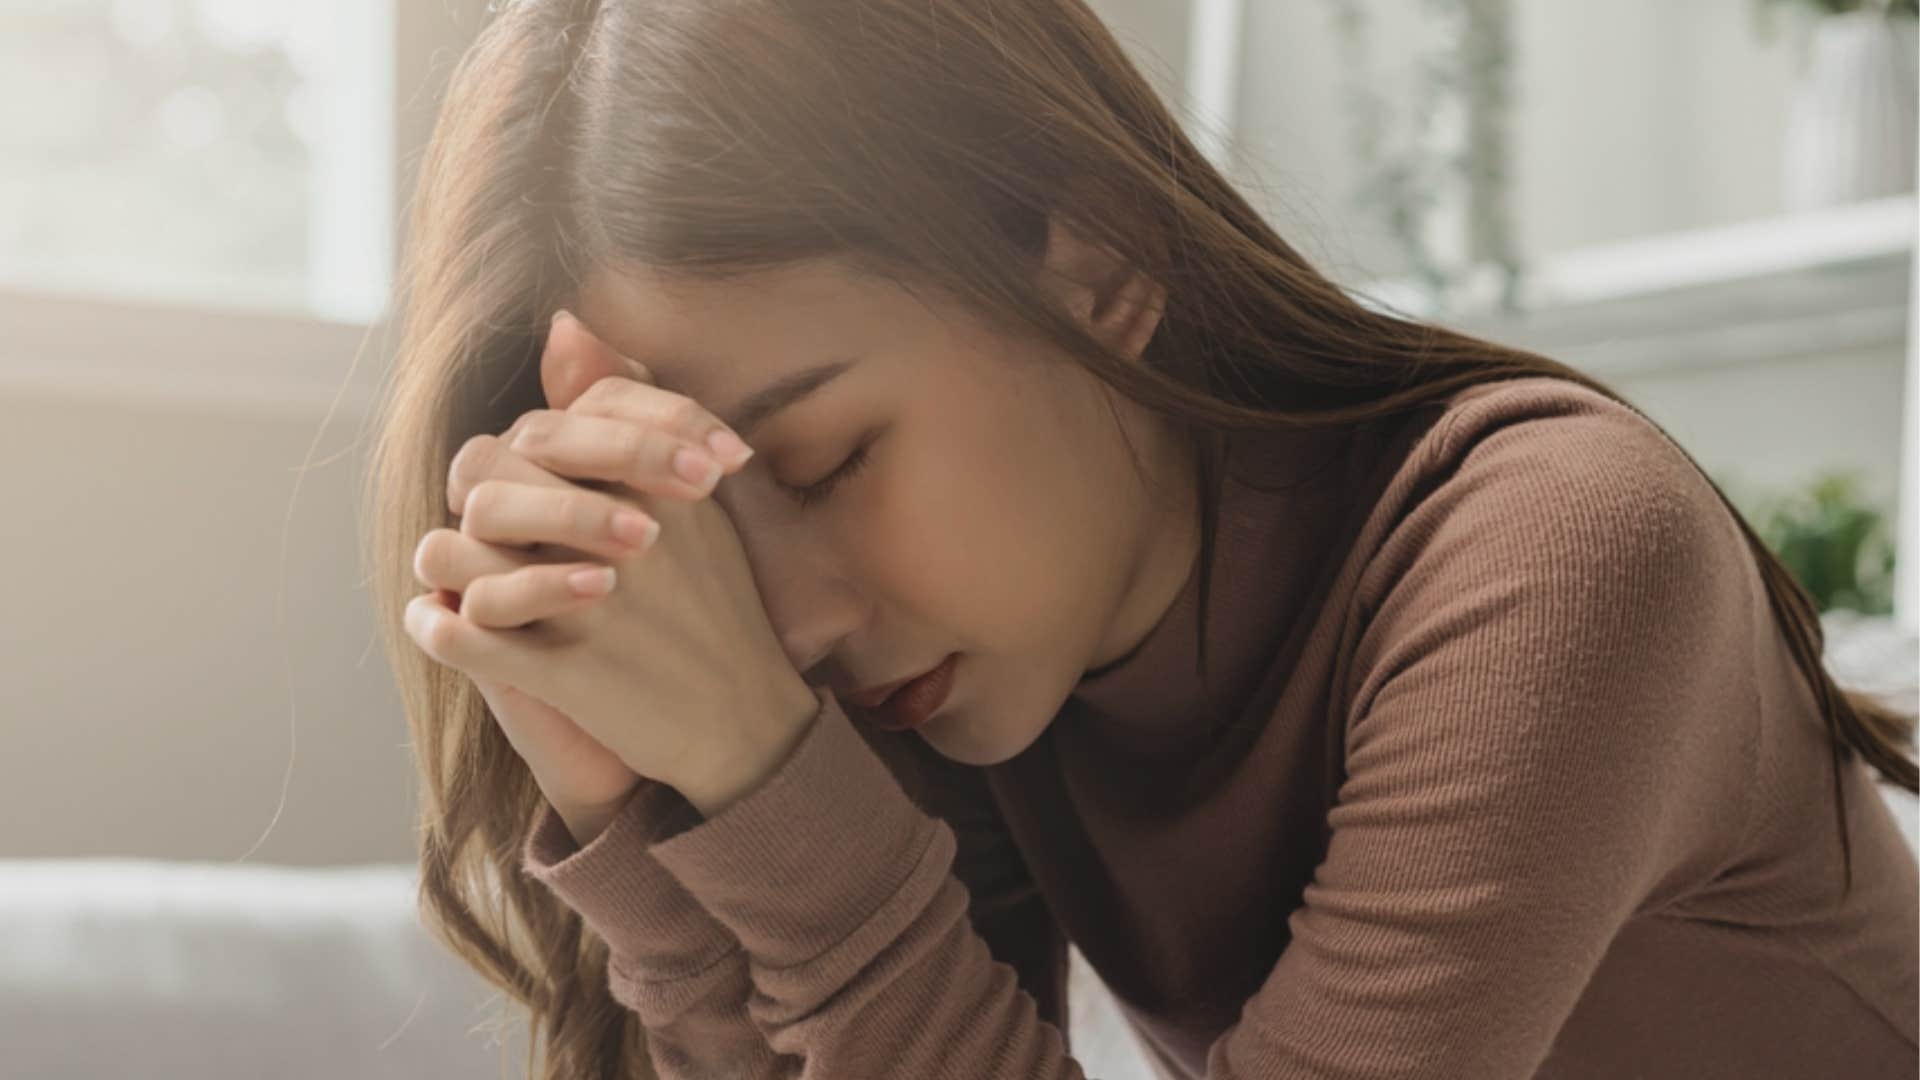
{"points": [[809, 601], [811, 610]]}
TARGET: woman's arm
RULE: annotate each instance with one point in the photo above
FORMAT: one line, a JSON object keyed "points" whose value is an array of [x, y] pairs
{"points": [[1004, 905], [859, 938], [681, 972], [688, 978]]}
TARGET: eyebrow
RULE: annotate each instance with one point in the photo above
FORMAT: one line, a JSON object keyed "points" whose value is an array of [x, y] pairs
{"points": [[760, 405]]}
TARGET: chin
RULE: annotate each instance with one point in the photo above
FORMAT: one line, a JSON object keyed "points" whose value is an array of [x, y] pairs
{"points": [[956, 740]]}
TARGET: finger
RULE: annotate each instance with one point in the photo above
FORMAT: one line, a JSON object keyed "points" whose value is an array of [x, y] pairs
{"points": [[502, 512], [447, 636], [575, 358], [486, 457], [650, 406], [514, 599], [643, 457], [450, 559]]}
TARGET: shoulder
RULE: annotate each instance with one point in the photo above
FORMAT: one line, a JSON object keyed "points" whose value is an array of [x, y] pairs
{"points": [[1548, 534], [1561, 435], [1559, 611], [1544, 476]]}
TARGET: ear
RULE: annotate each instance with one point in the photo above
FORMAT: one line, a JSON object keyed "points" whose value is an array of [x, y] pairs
{"points": [[1116, 303], [575, 358]]}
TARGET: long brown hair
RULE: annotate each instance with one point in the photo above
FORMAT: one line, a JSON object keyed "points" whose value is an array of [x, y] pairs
{"points": [[925, 142]]}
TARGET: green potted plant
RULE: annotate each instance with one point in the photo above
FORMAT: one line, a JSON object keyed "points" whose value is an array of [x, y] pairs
{"points": [[1838, 545]]}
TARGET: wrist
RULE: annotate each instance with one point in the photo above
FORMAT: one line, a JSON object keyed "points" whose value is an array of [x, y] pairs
{"points": [[585, 823], [737, 776], [585, 828]]}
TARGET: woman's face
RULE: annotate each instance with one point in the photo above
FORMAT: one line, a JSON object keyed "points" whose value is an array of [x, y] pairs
{"points": [[996, 515]]}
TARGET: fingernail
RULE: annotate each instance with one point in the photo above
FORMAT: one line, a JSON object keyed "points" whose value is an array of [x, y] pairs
{"points": [[595, 582], [563, 313], [635, 528], [728, 448], [696, 468]]}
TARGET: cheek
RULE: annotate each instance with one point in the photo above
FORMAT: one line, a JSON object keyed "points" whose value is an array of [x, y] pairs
{"points": [[983, 536], [933, 530]]}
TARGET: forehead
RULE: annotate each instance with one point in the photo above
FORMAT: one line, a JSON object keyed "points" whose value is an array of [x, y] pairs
{"points": [[715, 339]]}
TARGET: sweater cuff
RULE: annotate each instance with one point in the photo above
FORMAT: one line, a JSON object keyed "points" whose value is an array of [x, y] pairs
{"points": [[655, 929], [808, 856]]}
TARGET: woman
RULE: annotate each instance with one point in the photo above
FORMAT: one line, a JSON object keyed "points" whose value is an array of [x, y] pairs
{"points": [[1363, 699]]}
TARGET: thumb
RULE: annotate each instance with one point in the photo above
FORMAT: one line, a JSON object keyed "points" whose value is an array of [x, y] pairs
{"points": [[575, 358]]}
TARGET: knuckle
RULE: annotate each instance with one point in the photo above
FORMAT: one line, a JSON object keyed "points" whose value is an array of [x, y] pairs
{"points": [[528, 427], [484, 499], [602, 393], [473, 462], [688, 415], [432, 561], [629, 442], [491, 599], [478, 455]]}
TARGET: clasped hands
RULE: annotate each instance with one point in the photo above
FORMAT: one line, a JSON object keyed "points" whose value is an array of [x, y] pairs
{"points": [[670, 670]]}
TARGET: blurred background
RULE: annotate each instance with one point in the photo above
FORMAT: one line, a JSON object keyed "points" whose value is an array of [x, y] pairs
{"points": [[205, 795]]}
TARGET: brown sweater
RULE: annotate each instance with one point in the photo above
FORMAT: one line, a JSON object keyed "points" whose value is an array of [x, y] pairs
{"points": [[1506, 773]]}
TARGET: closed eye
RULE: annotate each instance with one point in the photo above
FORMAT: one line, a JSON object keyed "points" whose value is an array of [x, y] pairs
{"points": [[819, 492]]}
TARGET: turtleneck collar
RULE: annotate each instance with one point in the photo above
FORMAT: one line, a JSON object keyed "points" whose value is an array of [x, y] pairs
{"points": [[1282, 499]]}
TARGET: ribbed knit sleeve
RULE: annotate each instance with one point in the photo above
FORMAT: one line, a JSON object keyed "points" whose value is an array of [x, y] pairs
{"points": [[1005, 905], [681, 972], [863, 957], [1552, 711]]}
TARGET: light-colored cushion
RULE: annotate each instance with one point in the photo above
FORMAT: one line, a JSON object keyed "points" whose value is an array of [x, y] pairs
{"points": [[186, 971], [152, 969]]}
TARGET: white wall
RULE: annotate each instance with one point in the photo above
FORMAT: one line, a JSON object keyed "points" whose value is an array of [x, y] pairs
{"points": [[155, 699], [1629, 118], [169, 667]]}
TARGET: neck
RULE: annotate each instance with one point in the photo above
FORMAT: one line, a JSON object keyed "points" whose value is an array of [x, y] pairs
{"points": [[1168, 556]]}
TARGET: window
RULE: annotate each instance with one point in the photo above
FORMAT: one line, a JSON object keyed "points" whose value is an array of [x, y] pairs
{"points": [[219, 154]]}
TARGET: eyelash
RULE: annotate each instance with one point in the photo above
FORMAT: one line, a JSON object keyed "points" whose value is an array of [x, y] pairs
{"points": [[815, 493]]}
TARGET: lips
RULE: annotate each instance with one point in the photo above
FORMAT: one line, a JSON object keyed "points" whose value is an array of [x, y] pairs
{"points": [[914, 703], [868, 699]]}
